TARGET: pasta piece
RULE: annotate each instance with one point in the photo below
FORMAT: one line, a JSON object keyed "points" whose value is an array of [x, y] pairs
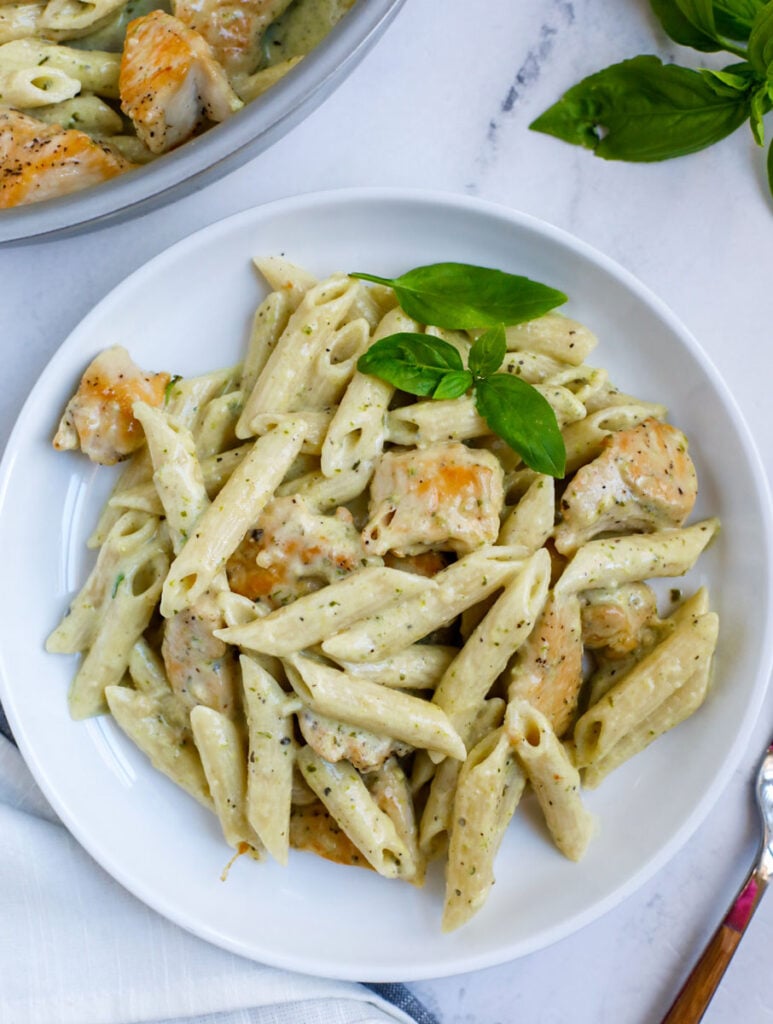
{"points": [[373, 707], [271, 758], [224, 523], [222, 753], [644, 688], [484, 657], [216, 432], [554, 779], [186, 400], [315, 616], [123, 620], [170, 751], [76, 16], [530, 523], [177, 474], [36, 87], [285, 278], [328, 492], [554, 335], [346, 797], [466, 582], [146, 671], [129, 535], [674, 710], [438, 810], [96, 71], [389, 788], [316, 423], [270, 320], [322, 311], [419, 667], [86, 112], [356, 434], [490, 787], [137, 470], [609, 563]]}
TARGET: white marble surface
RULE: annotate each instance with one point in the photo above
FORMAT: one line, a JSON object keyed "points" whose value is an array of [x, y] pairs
{"points": [[444, 101]]}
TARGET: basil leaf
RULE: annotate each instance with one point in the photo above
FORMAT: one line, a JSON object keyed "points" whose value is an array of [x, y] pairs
{"points": [[760, 105], [734, 18], [700, 13], [681, 29], [642, 110], [459, 296], [760, 48], [728, 82], [487, 352], [454, 384], [416, 363], [523, 418]]}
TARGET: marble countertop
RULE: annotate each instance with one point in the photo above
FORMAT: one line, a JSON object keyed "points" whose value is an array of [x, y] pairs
{"points": [[443, 101]]}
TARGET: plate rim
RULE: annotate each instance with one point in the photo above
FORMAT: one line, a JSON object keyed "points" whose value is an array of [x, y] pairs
{"points": [[548, 936]]}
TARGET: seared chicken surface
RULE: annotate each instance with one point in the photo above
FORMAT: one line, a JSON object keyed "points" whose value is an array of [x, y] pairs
{"points": [[41, 161], [644, 480], [233, 28], [170, 82], [99, 418]]}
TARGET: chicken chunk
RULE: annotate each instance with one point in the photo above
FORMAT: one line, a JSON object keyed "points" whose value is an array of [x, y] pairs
{"points": [[99, 418], [42, 161], [336, 741], [200, 668], [233, 28], [643, 480], [446, 497], [617, 618], [547, 670], [294, 550], [170, 82]]}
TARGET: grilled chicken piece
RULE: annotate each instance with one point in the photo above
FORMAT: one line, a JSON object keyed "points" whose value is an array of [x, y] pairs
{"points": [[294, 550], [618, 619], [99, 418], [41, 161], [200, 668], [336, 741], [643, 480], [170, 82], [446, 497], [547, 670], [233, 28]]}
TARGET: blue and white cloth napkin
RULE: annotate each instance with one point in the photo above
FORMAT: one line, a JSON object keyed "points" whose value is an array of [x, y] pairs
{"points": [[77, 948]]}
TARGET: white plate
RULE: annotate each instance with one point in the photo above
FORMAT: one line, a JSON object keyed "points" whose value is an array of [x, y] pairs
{"points": [[188, 311]]}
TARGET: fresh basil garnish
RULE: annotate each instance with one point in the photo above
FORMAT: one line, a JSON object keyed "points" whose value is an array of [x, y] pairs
{"points": [[430, 367], [524, 418], [642, 110], [459, 296], [418, 364]]}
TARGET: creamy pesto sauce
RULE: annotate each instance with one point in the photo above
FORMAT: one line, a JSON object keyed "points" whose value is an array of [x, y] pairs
{"points": [[302, 27]]}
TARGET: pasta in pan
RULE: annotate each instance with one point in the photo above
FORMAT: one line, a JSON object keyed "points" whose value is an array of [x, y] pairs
{"points": [[356, 622], [90, 90]]}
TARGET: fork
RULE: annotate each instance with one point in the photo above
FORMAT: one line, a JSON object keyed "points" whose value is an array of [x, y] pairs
{"points": [[695, 995]]}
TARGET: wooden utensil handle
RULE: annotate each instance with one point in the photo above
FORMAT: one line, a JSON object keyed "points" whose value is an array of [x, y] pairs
{"points": [[690, 1005], [695, 995]]}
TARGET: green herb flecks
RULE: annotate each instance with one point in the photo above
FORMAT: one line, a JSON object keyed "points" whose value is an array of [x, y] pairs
{"points": [[642, 110], [514, 410], [170, 387], [459, 296], [118, 581]]}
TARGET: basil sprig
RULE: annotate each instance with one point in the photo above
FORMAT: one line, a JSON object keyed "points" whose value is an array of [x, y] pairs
{"points": [[643, 110], [462, 297], [424, 365]]}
